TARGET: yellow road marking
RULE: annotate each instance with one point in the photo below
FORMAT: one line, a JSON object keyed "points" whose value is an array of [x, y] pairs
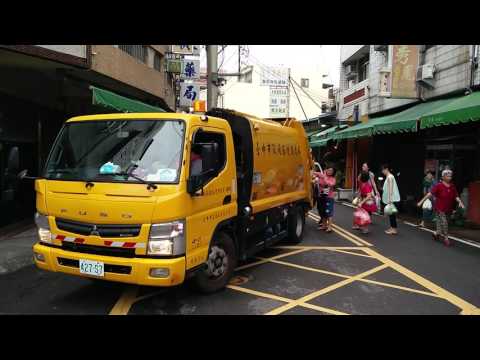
{"points": [[462, 304], [323, 291], [283, 299], [123, 305], [362, 280], [275, 257], [323, 309], [259, 293], [351, 236], [351, 253], [338, 232], [313, 247], [309, 269]]}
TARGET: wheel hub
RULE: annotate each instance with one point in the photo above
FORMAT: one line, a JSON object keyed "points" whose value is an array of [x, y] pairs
{"points": [[217, 262]]}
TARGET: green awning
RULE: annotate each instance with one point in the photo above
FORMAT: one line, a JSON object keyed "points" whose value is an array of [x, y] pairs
{"points": [[325, 133], [319, 143], [456, 111], [120, 103], [356, 131], [406, 120]]}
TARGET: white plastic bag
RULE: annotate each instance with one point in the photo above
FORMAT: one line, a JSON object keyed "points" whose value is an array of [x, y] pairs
{"points": [[427, 205], [390, 209]]}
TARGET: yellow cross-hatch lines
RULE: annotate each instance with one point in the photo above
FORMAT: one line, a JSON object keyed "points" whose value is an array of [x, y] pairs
{"points": [[283, 299], [348, 277], [123, 305], [342, 232], [462, 304], [275, 257], [315, 294]]}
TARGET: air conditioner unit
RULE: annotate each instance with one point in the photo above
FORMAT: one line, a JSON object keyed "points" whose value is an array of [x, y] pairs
{"points": [[350, 71], [380, 47], [425, 74]]}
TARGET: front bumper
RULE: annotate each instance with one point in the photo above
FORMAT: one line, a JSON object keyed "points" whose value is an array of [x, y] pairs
{"points": [[139, 267]]}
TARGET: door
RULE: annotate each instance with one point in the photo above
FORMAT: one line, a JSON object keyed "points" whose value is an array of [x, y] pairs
{"points": [[216, 201]]}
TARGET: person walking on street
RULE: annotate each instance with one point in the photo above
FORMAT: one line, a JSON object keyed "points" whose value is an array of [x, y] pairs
{"points": [[367, 201], [371, 178], [427, 185], [446, 195], [326, 182], [390, 196], [373, 184]]}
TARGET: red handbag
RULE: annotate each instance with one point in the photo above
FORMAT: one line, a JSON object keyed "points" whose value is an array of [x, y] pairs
{"points": [[361, 217]]}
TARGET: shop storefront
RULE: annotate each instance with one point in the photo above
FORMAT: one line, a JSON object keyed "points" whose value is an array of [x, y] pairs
{"points": [[437, 134]]}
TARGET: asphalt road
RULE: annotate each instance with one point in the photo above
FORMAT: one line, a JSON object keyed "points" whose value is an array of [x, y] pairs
{"points": [[343, 272]]}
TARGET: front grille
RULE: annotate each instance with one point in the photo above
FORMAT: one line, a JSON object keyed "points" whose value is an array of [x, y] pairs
{"points": [[116, 269], [104, 230], [98, 250]]}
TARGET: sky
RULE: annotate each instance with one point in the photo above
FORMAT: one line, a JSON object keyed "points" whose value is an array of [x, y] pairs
{"points": [[327, 56]]}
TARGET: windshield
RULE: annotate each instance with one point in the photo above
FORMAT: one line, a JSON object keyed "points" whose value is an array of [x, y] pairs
{"points": [[111, 150]]}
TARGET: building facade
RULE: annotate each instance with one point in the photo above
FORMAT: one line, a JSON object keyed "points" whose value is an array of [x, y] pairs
{"points": [[250, 95], [44, 85], [442, 72]]}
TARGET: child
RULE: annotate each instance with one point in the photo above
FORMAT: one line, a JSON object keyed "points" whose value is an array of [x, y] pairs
{"points": [[445, 196], [367, 201], [326, 182]]}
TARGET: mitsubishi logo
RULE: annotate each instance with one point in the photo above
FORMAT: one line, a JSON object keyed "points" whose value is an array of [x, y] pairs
{"points": [[94, 231]]}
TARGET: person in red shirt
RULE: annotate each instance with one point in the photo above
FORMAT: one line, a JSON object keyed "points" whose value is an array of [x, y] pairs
{"points": [[445, 197], [326, 182], [367, 201]]}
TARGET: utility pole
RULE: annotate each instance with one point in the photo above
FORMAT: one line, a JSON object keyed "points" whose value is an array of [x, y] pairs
{"points": [[212, 76], [239, 59]]}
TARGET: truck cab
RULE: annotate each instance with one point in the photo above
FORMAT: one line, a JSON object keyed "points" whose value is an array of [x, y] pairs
{"points": [[156, 198]]}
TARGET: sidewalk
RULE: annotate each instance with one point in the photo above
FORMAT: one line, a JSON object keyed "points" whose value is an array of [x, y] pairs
{"points": [[16, 251]]}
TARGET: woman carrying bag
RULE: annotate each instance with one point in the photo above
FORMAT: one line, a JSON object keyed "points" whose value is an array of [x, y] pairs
{"points": [[390, 196]]}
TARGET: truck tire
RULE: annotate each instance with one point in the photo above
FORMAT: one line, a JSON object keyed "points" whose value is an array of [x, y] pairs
{"points": [[296, 224], [220, 265]]}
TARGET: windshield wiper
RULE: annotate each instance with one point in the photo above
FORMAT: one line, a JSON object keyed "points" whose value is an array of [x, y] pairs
{"points": [[149, 184]]}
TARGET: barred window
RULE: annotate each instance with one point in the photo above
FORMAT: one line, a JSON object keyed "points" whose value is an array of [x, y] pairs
{"points": [[157, 61], [137, 51]]}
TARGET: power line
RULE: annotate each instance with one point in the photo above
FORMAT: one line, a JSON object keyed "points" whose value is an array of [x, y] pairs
{"points": [[295, 91], [307, 94], [266, 69]]}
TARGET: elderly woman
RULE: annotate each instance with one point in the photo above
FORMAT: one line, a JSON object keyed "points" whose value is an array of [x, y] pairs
{"points": [[446, 195]]}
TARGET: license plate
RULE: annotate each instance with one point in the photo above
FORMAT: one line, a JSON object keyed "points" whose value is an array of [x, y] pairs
{"points": [[90, 267]]}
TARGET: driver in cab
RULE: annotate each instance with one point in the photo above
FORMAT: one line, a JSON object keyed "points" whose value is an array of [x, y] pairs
{"points": [[196, 160]]}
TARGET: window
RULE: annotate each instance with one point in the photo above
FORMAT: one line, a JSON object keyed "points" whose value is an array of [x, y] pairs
{"points": [[157, 61], [304, 83], [207, 137], [137, 51], [363, 68]]}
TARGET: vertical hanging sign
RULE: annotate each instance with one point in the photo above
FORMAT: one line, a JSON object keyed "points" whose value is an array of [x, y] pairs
{"points": [[404, 71]]}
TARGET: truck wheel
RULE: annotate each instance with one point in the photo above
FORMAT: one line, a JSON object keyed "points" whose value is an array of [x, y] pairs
{"points": [[221, 263], [296, 224]]}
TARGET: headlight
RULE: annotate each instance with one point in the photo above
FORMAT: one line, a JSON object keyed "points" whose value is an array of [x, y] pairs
{"points": [[167, 238], [44, 234]]}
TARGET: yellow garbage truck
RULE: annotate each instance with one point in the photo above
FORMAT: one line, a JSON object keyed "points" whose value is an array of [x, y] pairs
{"points": [[158, 198]]}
